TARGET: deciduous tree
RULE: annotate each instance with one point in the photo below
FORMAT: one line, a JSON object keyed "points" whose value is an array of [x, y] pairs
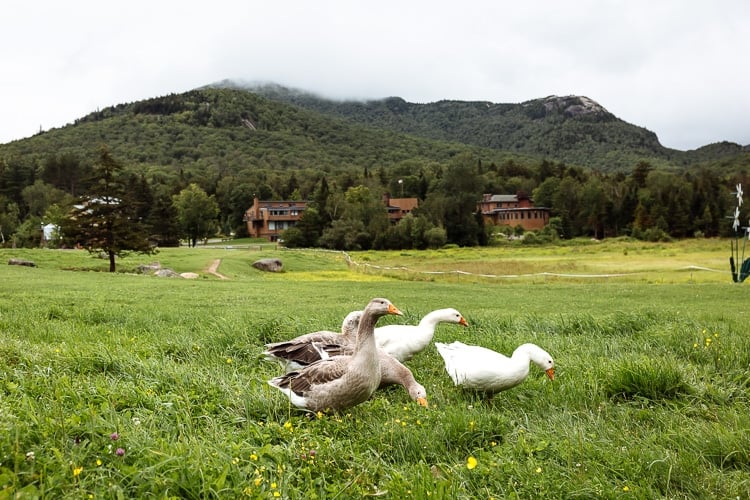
{"points": [[196, 213]]}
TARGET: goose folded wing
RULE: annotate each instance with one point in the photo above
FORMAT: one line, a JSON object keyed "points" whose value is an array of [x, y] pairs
{"points": [[334, 349], [324, 371]]}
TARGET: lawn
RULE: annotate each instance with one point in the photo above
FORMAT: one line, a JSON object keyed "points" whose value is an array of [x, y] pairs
{"points": [[126, 386]]}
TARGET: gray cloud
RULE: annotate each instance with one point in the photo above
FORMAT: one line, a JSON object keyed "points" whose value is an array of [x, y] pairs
{"points": [[675, 67]]}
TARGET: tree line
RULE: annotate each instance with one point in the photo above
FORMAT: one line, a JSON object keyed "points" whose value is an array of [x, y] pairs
{"points": [[346, 209]]}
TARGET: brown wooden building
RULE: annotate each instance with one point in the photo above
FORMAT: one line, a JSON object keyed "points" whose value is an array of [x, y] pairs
{"points": [[513, 210], [399, 207], [268, 219]]}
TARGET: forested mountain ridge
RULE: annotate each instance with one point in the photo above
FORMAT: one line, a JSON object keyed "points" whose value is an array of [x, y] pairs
{"points": [[208, 131], [572, 129], [277, 128]]}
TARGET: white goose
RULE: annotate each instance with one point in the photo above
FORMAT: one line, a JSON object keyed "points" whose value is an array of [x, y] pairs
{"points": [[482, 369], [404, 341], [344, 381]]}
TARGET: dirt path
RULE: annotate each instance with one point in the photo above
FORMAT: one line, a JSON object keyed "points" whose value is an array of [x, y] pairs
{"points": [[212, 269]]}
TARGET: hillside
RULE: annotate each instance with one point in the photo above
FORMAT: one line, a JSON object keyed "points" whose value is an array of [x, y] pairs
{"points": [[229, 129], [572, 129], [231, 126]]}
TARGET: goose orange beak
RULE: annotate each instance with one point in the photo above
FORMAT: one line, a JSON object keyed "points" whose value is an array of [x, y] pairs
{"points": [[394, 310], [550, 373], [463, 322], [423, 402]]}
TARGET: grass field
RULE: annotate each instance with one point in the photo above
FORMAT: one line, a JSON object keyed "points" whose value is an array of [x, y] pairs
{"points": [[129, 386]]}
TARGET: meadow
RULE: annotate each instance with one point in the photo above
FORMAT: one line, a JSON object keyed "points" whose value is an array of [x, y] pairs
{"points": [[120, 385]]}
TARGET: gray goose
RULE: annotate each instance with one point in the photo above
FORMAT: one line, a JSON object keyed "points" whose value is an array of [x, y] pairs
{"points": [[340, 382], [301, 351], [307, 349]]}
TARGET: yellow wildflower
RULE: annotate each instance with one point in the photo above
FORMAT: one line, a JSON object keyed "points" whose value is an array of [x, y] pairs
{"points": [[77, 471], [625, 488], [258, 480], [253, 456], [471, 463]]}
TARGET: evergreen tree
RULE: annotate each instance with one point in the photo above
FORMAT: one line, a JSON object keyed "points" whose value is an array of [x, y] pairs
{"points": [[106, 219], [460, 188], [162, 220]]}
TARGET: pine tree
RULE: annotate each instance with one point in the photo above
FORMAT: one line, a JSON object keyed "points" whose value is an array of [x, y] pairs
{"points": [[106, 220]]}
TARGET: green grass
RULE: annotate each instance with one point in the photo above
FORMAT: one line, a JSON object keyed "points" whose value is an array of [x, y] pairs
{"points": [[651, 397]]}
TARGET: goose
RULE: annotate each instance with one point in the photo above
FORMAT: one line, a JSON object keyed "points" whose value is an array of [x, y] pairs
{"points": [[392, 371], [482, 369], [309, 348], [301, 351], [404, 341], [340, 382]]}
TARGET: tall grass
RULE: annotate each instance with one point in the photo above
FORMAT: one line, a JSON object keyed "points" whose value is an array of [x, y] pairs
{"points": [[123, 386]]}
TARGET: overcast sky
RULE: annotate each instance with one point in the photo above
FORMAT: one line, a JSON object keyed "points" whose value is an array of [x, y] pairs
{"points": [[680, 68]]}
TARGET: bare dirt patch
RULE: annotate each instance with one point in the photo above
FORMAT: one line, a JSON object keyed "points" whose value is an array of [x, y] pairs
{"points": [[213, 269]]}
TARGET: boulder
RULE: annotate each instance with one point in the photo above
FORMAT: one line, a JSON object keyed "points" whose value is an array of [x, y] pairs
{"points": [[21, 262], [271, 265], [148, 268], [166, 273]]}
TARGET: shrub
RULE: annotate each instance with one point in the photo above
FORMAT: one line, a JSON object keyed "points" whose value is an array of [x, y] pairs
{"points": [[435, 237], [650, 378]]}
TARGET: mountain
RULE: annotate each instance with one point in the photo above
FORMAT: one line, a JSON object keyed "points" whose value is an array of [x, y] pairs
{"points": [[572, 129], [230, 129], [233, 126]]}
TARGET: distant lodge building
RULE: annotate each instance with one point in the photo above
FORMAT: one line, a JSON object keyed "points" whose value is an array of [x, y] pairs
{"points": [[513, 210], [268, 219], [399, 207]]}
